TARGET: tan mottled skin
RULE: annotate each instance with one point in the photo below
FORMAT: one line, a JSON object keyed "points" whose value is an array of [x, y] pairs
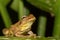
{"points": [[21, 28]]}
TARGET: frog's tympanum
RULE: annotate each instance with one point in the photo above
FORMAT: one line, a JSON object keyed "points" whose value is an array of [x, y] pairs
{"points": [[21, 28]]}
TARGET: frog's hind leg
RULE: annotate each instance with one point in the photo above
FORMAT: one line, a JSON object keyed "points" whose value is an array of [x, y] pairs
{"points": [[18, 34]]}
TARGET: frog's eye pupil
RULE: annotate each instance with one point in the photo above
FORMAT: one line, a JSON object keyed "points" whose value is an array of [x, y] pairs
{"points": [[23, 17]]}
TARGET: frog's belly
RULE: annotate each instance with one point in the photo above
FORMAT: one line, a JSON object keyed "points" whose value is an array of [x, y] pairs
{"points": [[26, 31]]}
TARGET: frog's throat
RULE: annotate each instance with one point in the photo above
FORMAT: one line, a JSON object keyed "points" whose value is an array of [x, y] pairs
{"points": [[26, 26]]}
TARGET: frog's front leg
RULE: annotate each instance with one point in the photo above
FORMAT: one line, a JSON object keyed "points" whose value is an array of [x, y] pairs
{"points": [[31, 34]]}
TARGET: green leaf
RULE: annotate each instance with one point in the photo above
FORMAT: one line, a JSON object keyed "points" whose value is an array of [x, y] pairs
{"points": [[5, 15], [45, 5], [41, 26], [4, 2], [56, 8], [21, 10], [15, 5], [31, 38], [22, 38]]}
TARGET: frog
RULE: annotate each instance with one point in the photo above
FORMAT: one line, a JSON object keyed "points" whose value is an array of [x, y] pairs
{"points": [[22, 28]]}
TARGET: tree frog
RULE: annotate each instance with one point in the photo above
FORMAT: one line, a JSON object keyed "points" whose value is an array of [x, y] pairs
{"points": [[21, 28]]}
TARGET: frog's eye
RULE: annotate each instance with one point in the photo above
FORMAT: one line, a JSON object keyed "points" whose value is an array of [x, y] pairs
{"points": [[24, 16]]}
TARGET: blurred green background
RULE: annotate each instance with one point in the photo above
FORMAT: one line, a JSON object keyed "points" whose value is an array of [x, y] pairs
{"points": [[35, 11], [47, 13]]}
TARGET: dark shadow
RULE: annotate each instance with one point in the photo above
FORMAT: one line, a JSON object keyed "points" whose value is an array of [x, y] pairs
{"points": [[2, 25], [13, 14]]}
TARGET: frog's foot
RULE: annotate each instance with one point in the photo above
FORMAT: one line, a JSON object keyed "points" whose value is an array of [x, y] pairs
{"points": [[31, 34], [8, 35]]}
